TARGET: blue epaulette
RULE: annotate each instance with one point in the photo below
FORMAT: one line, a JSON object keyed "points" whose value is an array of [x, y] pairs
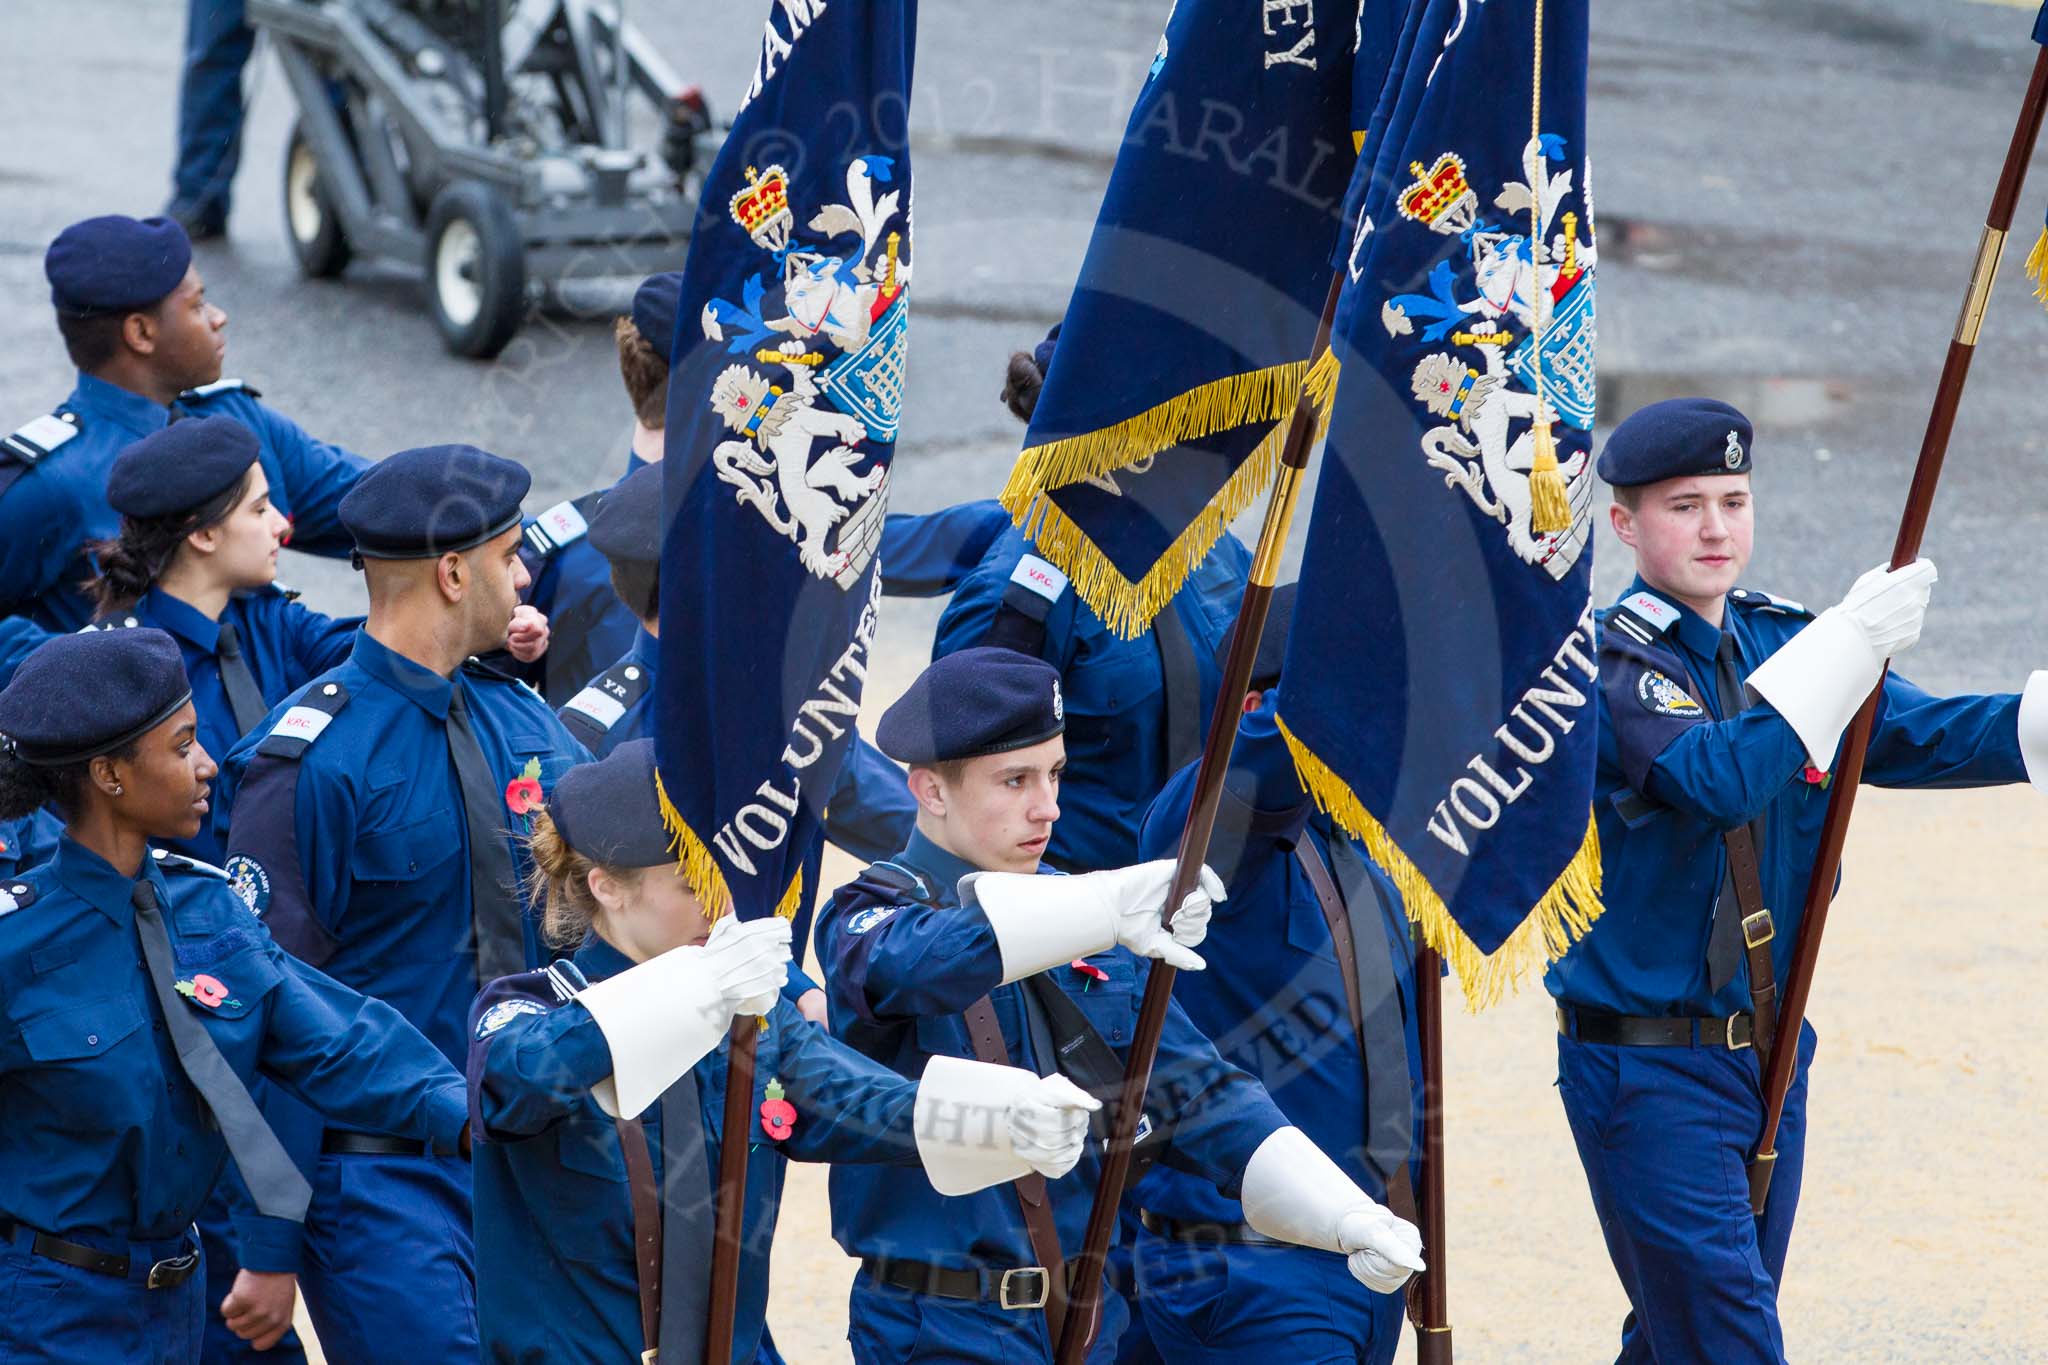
{"points": [[561, 525], [304, 721], [17, 895], [1642, 617], [1751, 599], [221, 386], [178, 863], [604, 701], [33, 442]]}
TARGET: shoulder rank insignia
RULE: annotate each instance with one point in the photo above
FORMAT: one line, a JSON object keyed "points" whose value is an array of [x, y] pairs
{"points": [[177, 862], [563, 524], [607, 698], [1764, 601], [1643, 617], [1663, 697], [1038, 576], [305, 721], [16, 896], [566, 977], [221, 386], [40, 438]]}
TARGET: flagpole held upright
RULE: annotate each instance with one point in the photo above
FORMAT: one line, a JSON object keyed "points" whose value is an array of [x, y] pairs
{"points": [[1083, 1308]]}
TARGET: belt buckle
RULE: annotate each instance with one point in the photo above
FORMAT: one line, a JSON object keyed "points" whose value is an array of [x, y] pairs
{"points": [[1728, 1025], [1044, 1283], [161, 1275], [1764, 931]]}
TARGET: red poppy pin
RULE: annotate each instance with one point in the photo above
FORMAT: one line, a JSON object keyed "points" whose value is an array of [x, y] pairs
{"points": [[1089, 969], [207, 990], [523, 795], [1814, 777], [778, 1115]]}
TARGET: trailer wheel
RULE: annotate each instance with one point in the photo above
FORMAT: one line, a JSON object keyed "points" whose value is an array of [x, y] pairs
{"points": [[318, 244], [476, 269]]}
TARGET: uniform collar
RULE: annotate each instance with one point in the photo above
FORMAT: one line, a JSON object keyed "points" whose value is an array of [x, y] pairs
{"points": [[941, 870], [134, 411], [598, 959], [1692, 630], [181, 619], [646, 649], [418, 684], [93, 880]]}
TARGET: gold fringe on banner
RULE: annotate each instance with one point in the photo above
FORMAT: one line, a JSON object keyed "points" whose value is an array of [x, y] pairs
{"points": [[700, 867], [1127, 608], [2037, 266], [1558, 920]]}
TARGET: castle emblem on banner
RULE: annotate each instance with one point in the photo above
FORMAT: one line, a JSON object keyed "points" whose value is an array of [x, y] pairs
{"points": [[823, 332], [1483, 390]]}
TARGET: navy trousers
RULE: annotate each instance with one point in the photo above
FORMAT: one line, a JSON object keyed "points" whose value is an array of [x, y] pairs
{"points": [[55, 1314], [222, 1346], [1665, 1135], [390, 1268], [1250, 1305], [217, 47]]}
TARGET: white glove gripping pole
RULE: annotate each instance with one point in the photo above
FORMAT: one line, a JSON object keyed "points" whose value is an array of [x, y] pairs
{"points": [[1822, 676], [665, 1015], [978, 1124], [1294, 1193], [1043, 922]]}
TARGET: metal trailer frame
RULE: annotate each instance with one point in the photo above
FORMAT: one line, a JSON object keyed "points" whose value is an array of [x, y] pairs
{"points": [[377, 168]]}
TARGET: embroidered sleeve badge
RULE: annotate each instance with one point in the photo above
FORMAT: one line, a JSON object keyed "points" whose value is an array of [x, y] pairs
{"points": [[503, 1013], [1661, 696]]}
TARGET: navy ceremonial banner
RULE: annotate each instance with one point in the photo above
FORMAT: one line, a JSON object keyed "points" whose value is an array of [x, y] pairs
{"points": [[787, 379], [1438, 682], [1189, 330]]}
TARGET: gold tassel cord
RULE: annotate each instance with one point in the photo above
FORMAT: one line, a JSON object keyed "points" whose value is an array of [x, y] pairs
{"points": [[1561, 918], [1221, 405], [700, 868], [1128, 608], [2037, 266], [1550, 507]]}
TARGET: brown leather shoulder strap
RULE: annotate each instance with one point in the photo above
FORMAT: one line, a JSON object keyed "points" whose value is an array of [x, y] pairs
{"points": [[1332, 905], [1032, 1201], [646, 1199], [1757, 933]]}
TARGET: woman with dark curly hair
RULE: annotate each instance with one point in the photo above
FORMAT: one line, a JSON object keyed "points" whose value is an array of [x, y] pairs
{"points": [[139, 999]]}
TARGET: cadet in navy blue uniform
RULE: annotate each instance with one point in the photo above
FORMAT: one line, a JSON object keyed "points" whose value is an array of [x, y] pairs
{"points": [[956, 948], [148, 346], [138, 1001], [374, 822], [218, 42], [613, 1058], [1721, 710], [1214, 1290]]}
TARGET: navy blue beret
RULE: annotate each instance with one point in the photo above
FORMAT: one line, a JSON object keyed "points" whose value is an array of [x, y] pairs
{"points": [[78, 696], [987, 700], [654, 310], [424, 503], [627, 524], [1676, 438], [608, 810], [115, 264], [181, 467], [1041, 354]]}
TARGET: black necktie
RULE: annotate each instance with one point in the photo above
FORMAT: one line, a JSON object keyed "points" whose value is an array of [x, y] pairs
{"points": [[686, 1222], [1389, 1101], [1724, 940], [274, 1182], [493, 892], [245, 698]]}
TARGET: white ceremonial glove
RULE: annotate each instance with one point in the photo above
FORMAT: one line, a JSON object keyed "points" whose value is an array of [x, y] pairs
{"points": [[978, 1124], [663, 1016], [1821, 677], [1292, 1192], [1041, 922]]}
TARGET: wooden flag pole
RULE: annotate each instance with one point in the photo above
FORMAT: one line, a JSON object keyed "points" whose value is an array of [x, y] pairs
{"points": [[1429, 1309], [1955, 372], [1082, 1315], [733, 1146]]}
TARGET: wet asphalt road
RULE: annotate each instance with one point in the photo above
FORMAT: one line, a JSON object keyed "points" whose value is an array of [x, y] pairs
{"points": [[1789, 195]]}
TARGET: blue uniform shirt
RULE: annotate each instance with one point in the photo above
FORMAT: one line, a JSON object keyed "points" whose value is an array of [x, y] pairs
{"points": [[63, 498], [27, 842], [106, 1141], [1674, 774], [898, 973], [554, 1224], [285, 645], [1273, 999], [1115, 690]]}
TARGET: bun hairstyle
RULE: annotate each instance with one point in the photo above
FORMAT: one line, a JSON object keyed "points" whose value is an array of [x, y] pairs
{"points": [[132, 562], [560, 883], [1023, 380]]}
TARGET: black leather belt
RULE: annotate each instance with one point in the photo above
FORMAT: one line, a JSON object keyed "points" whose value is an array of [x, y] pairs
{"points": [[168, 1273], [1232, 1234], [1018, 1287], [341, 1142], [1585, 1025]]}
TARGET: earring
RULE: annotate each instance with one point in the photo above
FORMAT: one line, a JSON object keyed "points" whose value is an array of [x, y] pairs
{"points": [[117, 789]]}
